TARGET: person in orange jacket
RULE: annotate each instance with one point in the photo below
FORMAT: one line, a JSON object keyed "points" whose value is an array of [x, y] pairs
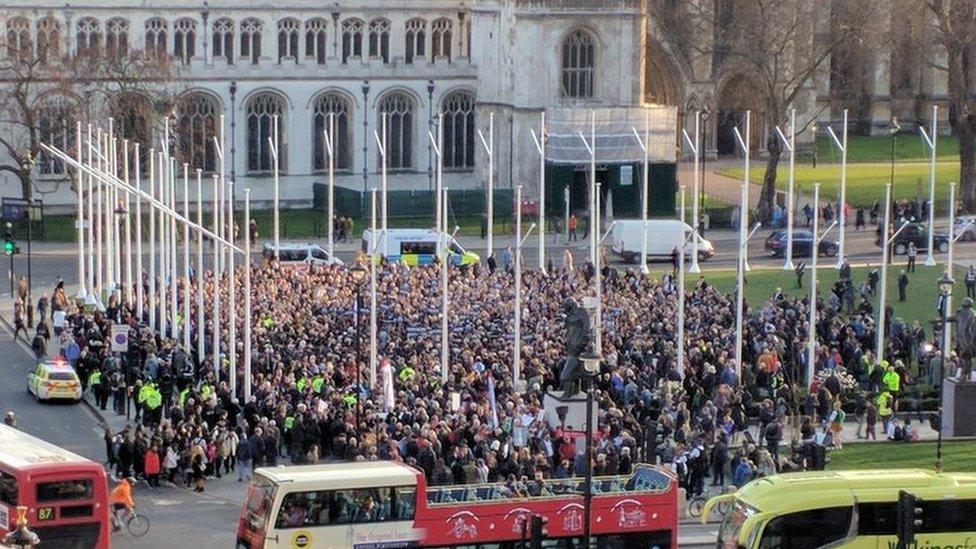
{"points": [[121, 501]]}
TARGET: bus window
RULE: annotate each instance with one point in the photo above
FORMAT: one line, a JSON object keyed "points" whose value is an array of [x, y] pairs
{"points": [[419, 248], [807, 529], [64, 490], [8, 489], [406, 502], [303, 509], [876, 519], [948, 515]]}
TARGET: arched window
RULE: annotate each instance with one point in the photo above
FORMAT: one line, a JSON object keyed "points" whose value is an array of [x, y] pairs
{"points": [[337, 106], [196, 126], [117, 37], [315, 40], [133, 114], [458, 111], [184, 39], [223, 40], [48, 39], [398, 108], [578, 63], [441, 32], [261, 110], [379, 39], [89, 36], [288, 39], [251, 40], [156, 36], [416, 39], [56, 127], [18, 38], [352, 39]]}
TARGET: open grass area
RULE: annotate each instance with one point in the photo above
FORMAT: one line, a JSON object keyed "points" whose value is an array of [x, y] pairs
{"points": [[956, 456], [865, 182], [920, 300], [908, 147]]}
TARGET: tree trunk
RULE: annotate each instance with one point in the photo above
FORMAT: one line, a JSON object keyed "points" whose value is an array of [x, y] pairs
{"points": [[967, 164], [25, 184], [767, 198]]}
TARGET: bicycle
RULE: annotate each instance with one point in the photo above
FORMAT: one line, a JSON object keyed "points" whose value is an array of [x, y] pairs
{"points": [[697, 504], [137, 525]]}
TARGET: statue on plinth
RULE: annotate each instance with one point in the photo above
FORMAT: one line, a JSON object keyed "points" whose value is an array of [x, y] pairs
{"points": [[578, 338]]}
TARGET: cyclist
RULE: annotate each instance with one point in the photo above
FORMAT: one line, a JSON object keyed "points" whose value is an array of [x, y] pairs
{"points": [[121, 501]]}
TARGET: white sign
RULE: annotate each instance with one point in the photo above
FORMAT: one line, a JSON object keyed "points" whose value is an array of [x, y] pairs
{"points": [[120, 337]]}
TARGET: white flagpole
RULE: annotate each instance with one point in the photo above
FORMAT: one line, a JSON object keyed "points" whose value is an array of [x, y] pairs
{"points": [[108, 213], [216, 281], [598, 279], [277, 223], [841, 218], [790, 200], [932, 142], [330, 150], [680, 350], [812, 337], [540, 145], [645, 145], [383, 209], [80, 217], [231, 295], [152, 241], [161, 221], [186, 258], [743, 244], [91, 222], [445, 257], [247, 295], [139, 273], [489, 146], [200, 277], [695, 195], [99, 209], [517, 343], [174, 325], [594, 199], [372, 287], [128, 228], [883, 294]]}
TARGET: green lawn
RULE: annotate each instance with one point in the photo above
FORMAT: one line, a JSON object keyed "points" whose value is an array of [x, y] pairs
{"points": [[908, 147], [865, 182], [956, 456], [762, 283]]}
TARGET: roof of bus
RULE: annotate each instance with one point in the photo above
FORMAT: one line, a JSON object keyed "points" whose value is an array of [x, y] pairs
{"points": [[23, 451], [344, 475], [812, 489]]}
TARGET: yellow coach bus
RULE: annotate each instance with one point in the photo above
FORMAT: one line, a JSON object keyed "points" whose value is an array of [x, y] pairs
{"points": [[854, 509]]}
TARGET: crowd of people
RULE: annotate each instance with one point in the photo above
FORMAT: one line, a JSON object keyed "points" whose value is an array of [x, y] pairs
{"points": [[314, 398]]}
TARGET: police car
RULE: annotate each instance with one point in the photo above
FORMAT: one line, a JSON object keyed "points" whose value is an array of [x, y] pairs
{"points": [[54, 379]]}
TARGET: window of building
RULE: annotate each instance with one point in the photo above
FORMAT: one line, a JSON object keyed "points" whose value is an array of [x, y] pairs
{"points": [[117, 37], [337, 106], [352, 39], [251, 40], [196, 126], [18, 37], [807, 529], [184, 40], [261, 112], [223, 40], [459, 130], [288, 40], [156, 36], [56, 127], [88, 36], [133, 114], [315, 40], [441, 32], [416, 40], [577, 65], [48, 39], [398, 109], [379, 39]]}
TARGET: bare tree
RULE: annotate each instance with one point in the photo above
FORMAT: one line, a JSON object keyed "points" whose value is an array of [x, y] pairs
{"points": [[44, 90], [955, 31]]}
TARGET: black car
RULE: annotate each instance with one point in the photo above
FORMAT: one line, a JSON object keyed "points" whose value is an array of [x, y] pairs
{"points": [[802, 244], [917, 233]]}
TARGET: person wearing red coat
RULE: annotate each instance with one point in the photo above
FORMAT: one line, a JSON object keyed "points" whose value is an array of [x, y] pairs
{"points": [[152, 466]]}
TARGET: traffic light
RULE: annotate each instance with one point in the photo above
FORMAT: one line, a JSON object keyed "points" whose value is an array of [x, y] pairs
{"points": [[909, 518], [9, 247]]}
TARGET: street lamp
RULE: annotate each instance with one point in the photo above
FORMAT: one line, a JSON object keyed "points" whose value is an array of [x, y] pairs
{"points": [[120, 212], [359, 275], [591, 368], [813, 129], [21, 537], [945, 283]]}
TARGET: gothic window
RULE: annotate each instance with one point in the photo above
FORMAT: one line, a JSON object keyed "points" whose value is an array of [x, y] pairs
{"points": [[288, 39], [48, 39], [315, 40], [88, 36], [156, 36], [578, 65], [56, 127], [133, 114], [337, 106], [261, 111], [352, 39], [251, 40], [196, 126], [459, 131], [18, 37], [184, 39], [441, 32], [117, 37], [223, 39], [379, 39], [398, 108], [416, 39]]}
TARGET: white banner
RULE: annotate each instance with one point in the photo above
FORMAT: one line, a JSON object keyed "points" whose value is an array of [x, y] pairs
{"points": [[614, 128]]}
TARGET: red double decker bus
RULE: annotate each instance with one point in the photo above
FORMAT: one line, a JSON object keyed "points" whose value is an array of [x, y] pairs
{"points": [[385, 504], [66, 495]]}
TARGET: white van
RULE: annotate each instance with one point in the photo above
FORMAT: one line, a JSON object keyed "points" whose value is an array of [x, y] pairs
{"points": [[307, 254], [663, 236], [415, 247]]}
